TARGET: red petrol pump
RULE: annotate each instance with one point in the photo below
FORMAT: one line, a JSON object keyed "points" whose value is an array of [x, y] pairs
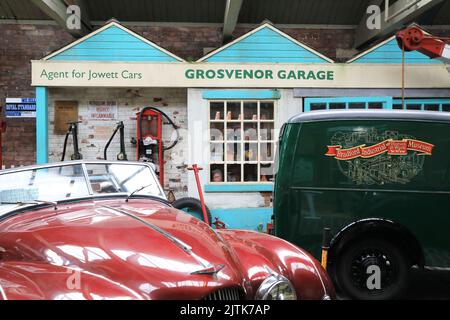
{"points": [[150, 146]]}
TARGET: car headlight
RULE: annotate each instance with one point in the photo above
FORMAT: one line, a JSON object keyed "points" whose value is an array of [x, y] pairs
{"points": [[276, 287]]}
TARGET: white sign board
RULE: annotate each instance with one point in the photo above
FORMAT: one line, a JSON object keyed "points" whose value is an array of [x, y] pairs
{"points": [[235, 75], [103, 110]]}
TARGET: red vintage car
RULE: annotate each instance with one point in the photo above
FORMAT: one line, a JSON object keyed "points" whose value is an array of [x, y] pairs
{"points": [[104, 230]]}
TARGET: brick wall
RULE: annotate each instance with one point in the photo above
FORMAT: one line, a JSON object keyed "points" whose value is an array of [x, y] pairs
{"points": [[18, 45]]}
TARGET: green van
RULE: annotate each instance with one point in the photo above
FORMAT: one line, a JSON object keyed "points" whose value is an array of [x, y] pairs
{"points": [[380, 180]]}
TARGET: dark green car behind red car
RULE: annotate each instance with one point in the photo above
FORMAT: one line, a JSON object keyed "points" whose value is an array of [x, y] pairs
{"points": [[380, 180]]}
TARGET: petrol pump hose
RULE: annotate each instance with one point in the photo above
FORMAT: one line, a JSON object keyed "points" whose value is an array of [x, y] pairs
{"points": [[168, 119], [73, 129]]}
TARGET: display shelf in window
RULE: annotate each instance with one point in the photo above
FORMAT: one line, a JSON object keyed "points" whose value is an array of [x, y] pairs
{"points": [[244, 126]]}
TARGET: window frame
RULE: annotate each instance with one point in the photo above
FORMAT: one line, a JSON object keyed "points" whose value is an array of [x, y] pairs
{"points": [[241, 142]]}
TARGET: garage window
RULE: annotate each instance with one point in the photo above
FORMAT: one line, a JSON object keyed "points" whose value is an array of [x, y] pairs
{"points": [[442, 105], [353, 103], [242, 141]]}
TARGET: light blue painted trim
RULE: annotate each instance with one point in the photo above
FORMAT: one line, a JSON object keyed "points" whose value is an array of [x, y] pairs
{"points": [[257, 187], [387, 101], [266, 45], [390, 53], [423, 102], [243, 218], [41, 125], [241, 94], [114, 44]]}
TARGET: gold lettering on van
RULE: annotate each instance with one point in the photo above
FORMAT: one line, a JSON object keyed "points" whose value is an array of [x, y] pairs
{"points": [[372, 157]]}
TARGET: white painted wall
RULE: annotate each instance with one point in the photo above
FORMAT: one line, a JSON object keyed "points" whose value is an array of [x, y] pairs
{"points": [[93, 134]]}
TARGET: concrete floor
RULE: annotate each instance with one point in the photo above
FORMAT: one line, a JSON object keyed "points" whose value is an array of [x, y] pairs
{"points": [[425, 285]]}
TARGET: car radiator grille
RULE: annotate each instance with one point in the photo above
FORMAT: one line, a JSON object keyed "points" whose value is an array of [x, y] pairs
{"points": [[225, 294]]}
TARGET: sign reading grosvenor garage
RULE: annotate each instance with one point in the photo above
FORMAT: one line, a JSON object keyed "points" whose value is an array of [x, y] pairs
{"points": [[282, 74], [234, 75]]}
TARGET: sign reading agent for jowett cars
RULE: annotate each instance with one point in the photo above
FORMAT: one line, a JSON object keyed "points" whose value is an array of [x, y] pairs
{"points": [[227, 75]]}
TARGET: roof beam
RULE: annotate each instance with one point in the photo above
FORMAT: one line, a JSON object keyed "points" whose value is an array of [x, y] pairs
{"points": [[391, 18], [58, 11], [232, 9]]}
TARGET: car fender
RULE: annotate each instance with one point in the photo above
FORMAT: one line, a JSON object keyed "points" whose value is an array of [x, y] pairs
{"points": [[261, 254]]}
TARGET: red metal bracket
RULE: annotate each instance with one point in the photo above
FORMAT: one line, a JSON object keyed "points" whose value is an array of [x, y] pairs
{"points": [[196, 169]]}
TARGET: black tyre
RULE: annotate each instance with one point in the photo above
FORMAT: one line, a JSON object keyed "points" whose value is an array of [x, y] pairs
{"points": [[193, 207], [357, 280]]}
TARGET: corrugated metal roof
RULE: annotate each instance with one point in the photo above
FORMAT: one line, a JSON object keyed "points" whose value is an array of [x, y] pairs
{"points": [[443, 15], [344, 12], [330, 12], [21, 10]]}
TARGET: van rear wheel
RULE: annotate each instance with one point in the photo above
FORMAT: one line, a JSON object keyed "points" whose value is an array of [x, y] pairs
{"points": [[372, 269]]}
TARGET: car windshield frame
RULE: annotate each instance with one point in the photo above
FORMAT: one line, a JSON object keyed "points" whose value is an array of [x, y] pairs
{"points": [[85, 175]]}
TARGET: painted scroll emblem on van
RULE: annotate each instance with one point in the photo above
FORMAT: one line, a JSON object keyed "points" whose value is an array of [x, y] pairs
{"points": [[372, 157]]}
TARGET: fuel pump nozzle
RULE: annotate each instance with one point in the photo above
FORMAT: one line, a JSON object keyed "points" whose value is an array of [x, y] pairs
{"points": [[73, 129], [122, 155]]}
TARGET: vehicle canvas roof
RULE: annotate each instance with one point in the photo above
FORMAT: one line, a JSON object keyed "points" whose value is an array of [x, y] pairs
{"points": [[389, 115]]}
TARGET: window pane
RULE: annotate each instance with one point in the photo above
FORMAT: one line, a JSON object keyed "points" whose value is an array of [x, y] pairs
{"points": [[217, 111], [431, 107], [413, 106], [216, 152], [267, 151], [250, 131], [397, 106], [66, 181], [266, 131], [250, 172], [234, 131], [251, 151], [375, 105], [356, 105], [339, 105], [446, 107], [266, 110], [233, 110], [233, 152], [112, 178], [216, 131], [216, 172], [318, 106], [266, 172], [234, 173], [250, 111]]}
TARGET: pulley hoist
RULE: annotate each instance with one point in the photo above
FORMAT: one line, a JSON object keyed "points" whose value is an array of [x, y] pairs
{"points": [[72, 130], [150, 147], [414, 38], [122, 155]]}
